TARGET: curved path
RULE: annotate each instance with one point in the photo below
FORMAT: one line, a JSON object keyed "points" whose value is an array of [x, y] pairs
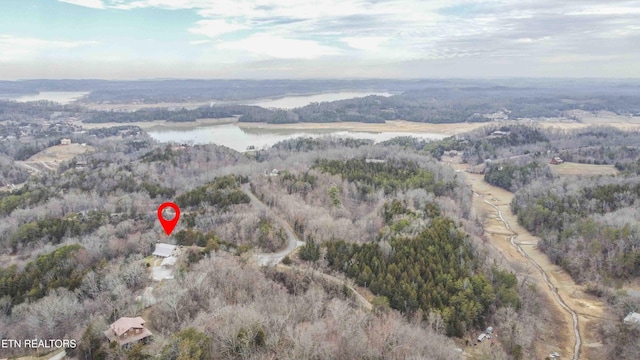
{"points": [[572, 319], [273, 259], [545, 277], [293, 242]]}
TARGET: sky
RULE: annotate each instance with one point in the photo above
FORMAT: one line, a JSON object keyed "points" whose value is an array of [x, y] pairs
{"points": [[139, 39]]}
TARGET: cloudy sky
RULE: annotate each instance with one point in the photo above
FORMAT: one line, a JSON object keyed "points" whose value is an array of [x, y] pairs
{"points": [[131, 39]]}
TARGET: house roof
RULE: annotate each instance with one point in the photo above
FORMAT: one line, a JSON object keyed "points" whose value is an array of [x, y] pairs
{"points": [[169, 261], [123, 324], [164, 250]]}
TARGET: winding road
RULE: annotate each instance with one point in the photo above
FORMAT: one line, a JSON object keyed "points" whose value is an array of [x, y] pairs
{"points": [[274, 259], [571, 321], [271, 259], [545, 277]]}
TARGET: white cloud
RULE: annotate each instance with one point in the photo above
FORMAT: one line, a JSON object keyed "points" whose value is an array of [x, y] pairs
{"points": [[214, 28], [200, 42], [530, 40], [608, 10], [94, 4], [366, 43], [267, 45], [14, 48], [398, 30]]}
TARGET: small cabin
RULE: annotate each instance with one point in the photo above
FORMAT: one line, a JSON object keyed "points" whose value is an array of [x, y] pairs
{"points": [[127, 330], [556, 160], [482, 337], [65, 142]]}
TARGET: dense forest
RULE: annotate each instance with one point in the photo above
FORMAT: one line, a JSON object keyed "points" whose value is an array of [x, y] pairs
{"points": [[586, 221], [434, 270], [77, 242], [588, 226], [400, 225], [574, 215], [388, 220]]}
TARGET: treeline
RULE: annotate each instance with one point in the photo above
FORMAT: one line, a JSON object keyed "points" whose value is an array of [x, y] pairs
{"points": [[587, 226], [453, 105], [512, 143], [220, 193], [434, 271], [175, 115], [493, 142], [151, 92], [53, 230], [512, 176], [390, 175], [60, 268], [11, 173], [629, 166], [27, 112], [22, 198]]}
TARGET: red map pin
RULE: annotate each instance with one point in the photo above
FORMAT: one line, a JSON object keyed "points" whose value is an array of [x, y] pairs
{"points": [[168, 225]]}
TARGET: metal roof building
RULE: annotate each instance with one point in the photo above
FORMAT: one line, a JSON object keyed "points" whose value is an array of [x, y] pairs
{"points": [[164, 250]]}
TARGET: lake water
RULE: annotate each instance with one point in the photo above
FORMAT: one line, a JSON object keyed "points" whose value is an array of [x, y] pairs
{"points": [[294, 101], [237, 138], [62, 97]]}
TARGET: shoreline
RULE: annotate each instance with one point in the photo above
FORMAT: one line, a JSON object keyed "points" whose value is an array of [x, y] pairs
{"points": [[248, 102], [389, 126], [164, 124], [401, 126]]}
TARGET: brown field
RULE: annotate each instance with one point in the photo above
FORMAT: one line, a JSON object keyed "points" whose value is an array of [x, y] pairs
{"points": [[58, 153], [146, 125], [50, 158], [391, 125], [569, 168]]}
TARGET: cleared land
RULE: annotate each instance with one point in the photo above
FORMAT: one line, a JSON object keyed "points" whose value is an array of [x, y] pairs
{"points": [[147, 125], [568, 168], [392, 125], [50, 158], [60, 153], [558, 332]]}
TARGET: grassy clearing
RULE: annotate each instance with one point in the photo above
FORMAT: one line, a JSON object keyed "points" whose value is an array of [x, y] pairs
{"points": [[568, 169]]}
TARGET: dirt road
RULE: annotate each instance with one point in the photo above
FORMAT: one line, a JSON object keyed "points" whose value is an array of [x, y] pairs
{"points": [[573, 316], [293, 242], [273, 259]]}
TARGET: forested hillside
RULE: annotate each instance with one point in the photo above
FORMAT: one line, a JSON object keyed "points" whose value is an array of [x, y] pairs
{"points": [[77, 242], [400, 225], [588, 226], [577, 190]]}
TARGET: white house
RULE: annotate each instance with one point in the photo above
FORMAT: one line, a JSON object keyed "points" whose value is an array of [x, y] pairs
{"points": [[165, 250]]}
